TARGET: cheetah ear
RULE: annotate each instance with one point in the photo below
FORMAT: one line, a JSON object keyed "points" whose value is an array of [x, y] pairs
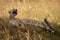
{"points": [[9, 12], [16, 9]]}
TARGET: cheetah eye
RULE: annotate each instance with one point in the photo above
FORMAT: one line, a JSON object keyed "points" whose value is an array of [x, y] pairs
{"points": [[20, 25]]}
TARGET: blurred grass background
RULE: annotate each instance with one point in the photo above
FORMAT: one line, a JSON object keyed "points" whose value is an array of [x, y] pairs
{"points": [[29, 9], [32, 9]]}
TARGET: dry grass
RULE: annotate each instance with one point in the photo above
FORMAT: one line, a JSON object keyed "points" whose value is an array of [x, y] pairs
{"points": [[29, 9], [9, 32], [32, 9]]}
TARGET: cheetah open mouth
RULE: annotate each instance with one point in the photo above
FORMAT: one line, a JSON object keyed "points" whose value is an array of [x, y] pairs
{"points": [[14, 11]]}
